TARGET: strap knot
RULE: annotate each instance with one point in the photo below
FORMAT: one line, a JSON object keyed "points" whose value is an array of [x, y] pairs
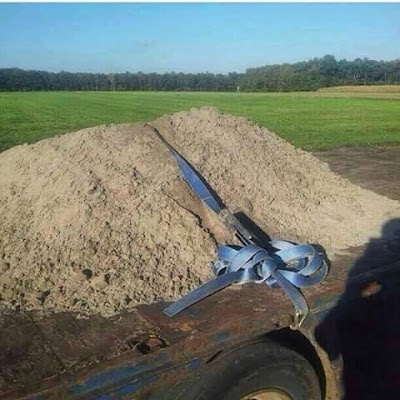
{"points": [[282, 264]]}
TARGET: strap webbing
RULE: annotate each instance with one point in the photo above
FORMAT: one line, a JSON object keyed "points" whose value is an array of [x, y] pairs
{"points": [[285, 265], [288, 266]]}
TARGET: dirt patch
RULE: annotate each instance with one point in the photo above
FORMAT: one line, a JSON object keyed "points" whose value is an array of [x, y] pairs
{"points": [[374, 168], [288, 192], [99, 220], [92, 221]]}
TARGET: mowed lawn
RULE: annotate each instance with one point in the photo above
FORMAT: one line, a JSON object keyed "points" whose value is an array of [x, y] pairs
{"points": [[317, 120]]}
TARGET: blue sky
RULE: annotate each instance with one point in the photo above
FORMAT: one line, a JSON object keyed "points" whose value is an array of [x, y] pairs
{"points": [[192, 37]]}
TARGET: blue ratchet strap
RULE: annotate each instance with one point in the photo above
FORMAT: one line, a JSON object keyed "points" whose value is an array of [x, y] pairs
{"points": [[291, 267], [288, 266], [199, 187], [191, 177]]}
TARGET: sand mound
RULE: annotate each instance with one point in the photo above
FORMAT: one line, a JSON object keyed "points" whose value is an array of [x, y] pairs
{"points": [[99, 220]]}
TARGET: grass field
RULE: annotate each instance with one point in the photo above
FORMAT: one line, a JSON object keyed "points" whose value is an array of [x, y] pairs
{"points": [[317, 120], [363, 89]]}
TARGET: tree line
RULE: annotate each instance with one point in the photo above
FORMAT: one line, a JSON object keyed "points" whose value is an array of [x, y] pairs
{"points": [[321, 72], [306, 75]]}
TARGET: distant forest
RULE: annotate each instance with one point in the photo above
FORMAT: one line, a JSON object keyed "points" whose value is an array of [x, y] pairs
{"points": [[300, 76]]}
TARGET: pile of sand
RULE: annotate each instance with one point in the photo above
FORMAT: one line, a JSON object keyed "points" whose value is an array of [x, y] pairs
{"points": [[99, 220]]}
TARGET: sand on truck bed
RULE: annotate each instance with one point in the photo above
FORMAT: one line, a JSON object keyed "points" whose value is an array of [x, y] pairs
{"points": [[99, 220]]}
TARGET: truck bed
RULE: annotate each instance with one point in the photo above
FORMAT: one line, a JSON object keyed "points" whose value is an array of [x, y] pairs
{"points": [[144, 352], [61, 355]]}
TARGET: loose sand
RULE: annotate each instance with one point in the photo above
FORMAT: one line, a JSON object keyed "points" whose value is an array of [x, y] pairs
{"points": [[99, 220]]}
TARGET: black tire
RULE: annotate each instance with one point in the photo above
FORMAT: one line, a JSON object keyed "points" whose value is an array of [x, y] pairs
{"points": [[253, 368]]}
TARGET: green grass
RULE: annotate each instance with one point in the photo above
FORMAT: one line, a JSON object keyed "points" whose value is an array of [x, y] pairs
{"points": [[315, 120]]}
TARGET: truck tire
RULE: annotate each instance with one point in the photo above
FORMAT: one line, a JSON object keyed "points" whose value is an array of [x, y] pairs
{"points": [[261, 371]]}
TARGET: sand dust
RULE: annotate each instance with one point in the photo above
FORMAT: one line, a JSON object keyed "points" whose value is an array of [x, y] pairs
{"points": [[99, 220]]}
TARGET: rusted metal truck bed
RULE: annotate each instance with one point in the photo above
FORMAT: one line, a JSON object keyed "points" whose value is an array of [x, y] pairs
{"points": [[145, 354]]}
